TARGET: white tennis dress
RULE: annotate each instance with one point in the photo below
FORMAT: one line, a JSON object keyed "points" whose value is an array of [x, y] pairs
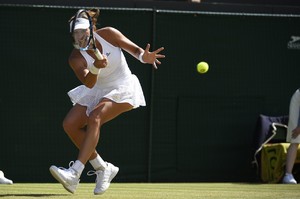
{"points": [[294, 117], [115, 81]]}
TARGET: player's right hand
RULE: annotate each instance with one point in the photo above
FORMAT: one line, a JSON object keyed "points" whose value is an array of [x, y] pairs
{"points": [[101, 63]]}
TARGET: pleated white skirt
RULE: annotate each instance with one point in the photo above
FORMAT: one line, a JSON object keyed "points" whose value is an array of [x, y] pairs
{"points": [[128, 90]]}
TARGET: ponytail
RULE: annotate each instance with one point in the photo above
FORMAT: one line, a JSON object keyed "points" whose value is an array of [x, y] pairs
{"points": [[94, 14]]}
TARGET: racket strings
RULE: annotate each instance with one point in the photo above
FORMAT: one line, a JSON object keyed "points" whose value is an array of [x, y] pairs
{"points": [[85, 39], [82, 41]]}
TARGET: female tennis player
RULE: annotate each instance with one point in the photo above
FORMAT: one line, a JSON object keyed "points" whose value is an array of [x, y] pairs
{"points": [[109, 89], [293, 138]]}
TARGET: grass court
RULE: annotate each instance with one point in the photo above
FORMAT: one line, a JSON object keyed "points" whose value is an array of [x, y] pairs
{"points": [[154, 191]]}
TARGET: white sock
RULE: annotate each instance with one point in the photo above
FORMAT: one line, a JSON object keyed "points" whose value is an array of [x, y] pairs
{"points": [[78, 167], [98, 163]]}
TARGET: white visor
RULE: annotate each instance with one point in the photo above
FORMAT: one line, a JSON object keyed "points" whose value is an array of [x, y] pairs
{"points": [[80, 23]]}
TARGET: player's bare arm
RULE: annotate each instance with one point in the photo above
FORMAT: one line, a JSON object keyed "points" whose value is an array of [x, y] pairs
{"points": [[79, 67], [116, 38]]}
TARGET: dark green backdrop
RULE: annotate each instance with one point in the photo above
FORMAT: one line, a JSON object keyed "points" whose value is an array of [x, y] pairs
{"points": [[194, 128]]}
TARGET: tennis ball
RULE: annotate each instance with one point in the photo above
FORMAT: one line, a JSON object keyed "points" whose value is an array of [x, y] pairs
{"points": [[202, 67]]}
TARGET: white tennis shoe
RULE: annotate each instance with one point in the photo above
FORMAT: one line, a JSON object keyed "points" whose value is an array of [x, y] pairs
{"points": [[69, 178], [289, 179], [104, 177], [4, 180]]}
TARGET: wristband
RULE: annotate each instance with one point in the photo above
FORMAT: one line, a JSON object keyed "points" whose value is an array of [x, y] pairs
{"points": [[94, 70], [141, 58]]}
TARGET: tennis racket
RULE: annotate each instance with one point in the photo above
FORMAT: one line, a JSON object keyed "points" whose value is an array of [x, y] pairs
{"points": [[88, 41]]}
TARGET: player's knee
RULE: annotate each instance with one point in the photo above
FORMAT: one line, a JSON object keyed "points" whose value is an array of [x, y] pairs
{"points": [[68, 126], [94, 119]]}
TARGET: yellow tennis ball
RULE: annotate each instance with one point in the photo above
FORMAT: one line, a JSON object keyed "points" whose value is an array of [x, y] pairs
{"points": [[202, 67]]}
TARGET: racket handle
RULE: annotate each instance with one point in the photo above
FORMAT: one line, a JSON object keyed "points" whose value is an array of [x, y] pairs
{"points": [[98, 54]]}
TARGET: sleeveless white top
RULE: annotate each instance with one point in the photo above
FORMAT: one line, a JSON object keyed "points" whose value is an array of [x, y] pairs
{"points": [[115, 81]]}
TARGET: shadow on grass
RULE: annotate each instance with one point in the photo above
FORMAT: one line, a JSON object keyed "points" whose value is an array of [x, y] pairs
{"points": [[31, 195]]}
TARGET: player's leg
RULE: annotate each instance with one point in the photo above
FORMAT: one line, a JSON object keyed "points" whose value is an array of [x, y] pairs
{"points": [[104, 112], [74, 125], [292, 150], [290, 159]]}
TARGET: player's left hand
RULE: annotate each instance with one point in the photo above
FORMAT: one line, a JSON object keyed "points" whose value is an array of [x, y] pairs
{"points": [[295, 132], [152, 57]]}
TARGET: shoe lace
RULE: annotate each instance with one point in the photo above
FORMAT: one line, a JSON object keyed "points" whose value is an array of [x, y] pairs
{"points": [[98, 173], [70, 165], [92, 172]]}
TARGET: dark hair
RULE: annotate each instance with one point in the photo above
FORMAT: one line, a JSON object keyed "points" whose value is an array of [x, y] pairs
{"points": [[94, 14]]}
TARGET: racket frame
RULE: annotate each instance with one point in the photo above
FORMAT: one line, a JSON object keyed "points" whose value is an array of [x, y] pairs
{"points": [[91, 39]]}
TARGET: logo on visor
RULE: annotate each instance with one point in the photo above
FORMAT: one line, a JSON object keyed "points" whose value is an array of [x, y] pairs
{"points": [[294, 43]]}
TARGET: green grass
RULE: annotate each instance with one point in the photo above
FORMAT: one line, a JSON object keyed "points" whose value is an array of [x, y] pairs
{"points": [[154, 190]]}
